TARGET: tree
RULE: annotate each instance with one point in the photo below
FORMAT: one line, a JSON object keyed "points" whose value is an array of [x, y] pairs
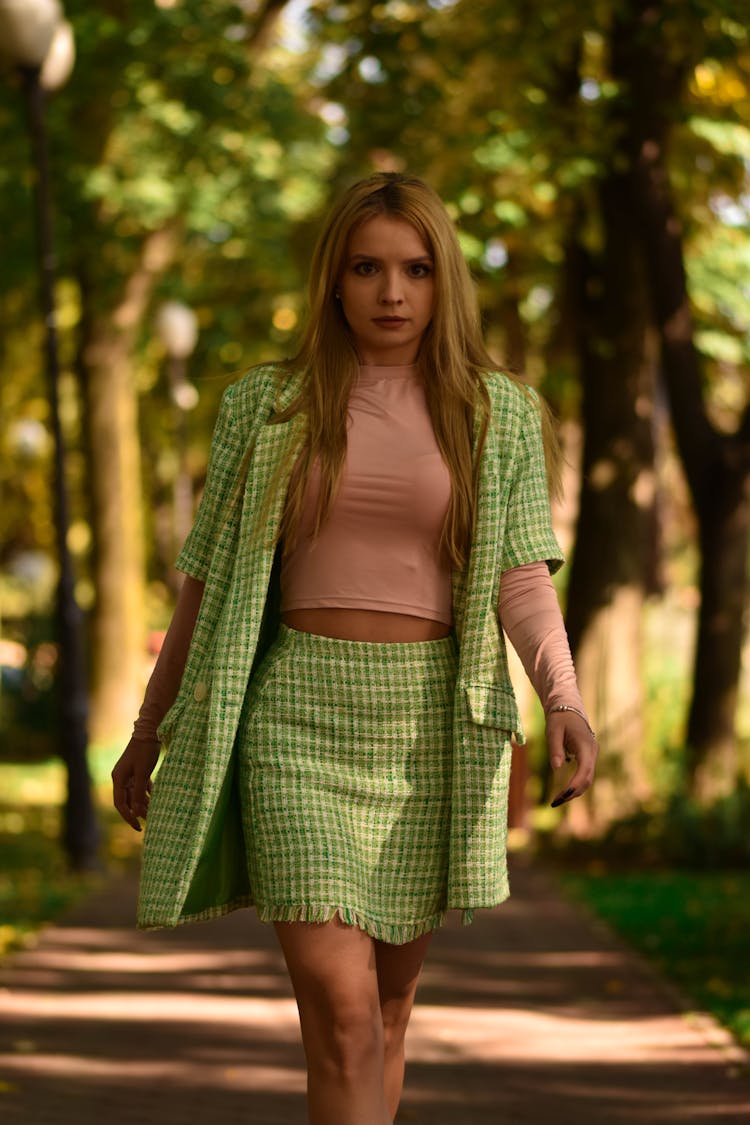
{"points": [[524, 118], [496, 113], [654, 63], [179, 160]]}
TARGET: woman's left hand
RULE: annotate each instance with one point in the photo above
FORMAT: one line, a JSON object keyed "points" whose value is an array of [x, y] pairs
{"points": [[570, 739]]}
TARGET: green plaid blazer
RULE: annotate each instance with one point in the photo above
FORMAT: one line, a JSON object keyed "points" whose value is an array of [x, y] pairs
{"points": [[193, 858]]}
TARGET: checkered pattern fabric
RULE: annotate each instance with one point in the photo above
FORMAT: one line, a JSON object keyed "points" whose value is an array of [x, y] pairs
{"points": [[194, 862], [345, 767]]}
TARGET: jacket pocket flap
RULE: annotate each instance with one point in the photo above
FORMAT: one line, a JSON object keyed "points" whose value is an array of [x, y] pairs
{"points": [[491, 706], [167, 725]]}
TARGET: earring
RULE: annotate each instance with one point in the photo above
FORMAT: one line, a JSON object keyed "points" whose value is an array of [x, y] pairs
{"points": [[337, 295]]}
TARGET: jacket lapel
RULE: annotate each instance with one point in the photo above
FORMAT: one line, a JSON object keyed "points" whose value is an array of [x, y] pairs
{"points": [[464, 581], [275, 445]]}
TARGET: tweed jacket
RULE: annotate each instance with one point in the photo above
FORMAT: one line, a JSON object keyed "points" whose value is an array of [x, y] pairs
{"points": [[194, 862]]}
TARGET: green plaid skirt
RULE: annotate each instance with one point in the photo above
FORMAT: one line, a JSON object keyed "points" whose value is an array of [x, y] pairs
{"points": [[345, 762]]}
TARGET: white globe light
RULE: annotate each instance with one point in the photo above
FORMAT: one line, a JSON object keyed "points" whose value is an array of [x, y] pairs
{"points": [[58, 65], [27, 28], [28, 437], [177, 327], [185, 396]]}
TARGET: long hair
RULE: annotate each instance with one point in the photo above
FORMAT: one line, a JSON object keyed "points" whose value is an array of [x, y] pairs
{"points": [[451, 358]]}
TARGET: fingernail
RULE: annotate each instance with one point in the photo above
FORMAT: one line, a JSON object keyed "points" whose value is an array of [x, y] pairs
{"points": [[563, 797]]}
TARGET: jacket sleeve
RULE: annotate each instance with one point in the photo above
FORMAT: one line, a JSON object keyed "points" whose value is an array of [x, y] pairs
{"points": [[227, 448], [528, 530]]}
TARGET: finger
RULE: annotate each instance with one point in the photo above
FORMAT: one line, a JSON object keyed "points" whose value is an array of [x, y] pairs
{"points": [[138, 798], [556, 745], [119, 781], [123, 780], [563, 797], [122, 801], [584, 752], [577, 786]]}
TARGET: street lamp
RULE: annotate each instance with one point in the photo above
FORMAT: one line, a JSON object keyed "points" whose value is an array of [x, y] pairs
{"points": [[177, 328], [36, 38]]}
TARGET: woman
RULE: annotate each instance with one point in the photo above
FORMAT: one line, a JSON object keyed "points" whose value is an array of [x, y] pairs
{"points": [[339, 746]]}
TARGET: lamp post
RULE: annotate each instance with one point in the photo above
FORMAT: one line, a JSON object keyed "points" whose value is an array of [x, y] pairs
{"points": [[177, 328], [37, 39]]}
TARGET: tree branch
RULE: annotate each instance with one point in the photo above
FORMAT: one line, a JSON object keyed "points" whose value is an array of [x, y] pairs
{"points": [[263, 22]]}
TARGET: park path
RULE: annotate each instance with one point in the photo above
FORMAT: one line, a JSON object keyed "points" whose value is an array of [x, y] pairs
{"points": [[534, 1014]]}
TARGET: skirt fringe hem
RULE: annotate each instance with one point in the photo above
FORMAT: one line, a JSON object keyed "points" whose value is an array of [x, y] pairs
{"points": [[153, 920], [393, 933]]}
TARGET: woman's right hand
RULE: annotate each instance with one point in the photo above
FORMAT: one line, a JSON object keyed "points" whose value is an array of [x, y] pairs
{"points": [[131, 780]]}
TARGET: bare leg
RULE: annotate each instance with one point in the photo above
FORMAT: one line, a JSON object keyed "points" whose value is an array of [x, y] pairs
{"points": [[398, 968], [333, 973]]}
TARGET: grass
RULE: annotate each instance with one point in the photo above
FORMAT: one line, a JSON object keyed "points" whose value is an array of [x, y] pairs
{"points": [[35, 882], [693, 925]]}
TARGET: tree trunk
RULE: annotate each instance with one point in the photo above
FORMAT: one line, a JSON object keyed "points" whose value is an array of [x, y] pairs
{"points": [[711, 752], [717, 465], [613, 566], [118, 624], [510, 323]]}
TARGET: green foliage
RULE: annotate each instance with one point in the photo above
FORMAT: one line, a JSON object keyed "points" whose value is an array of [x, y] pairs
{"points": [[511, 110], [27, 720], [678, 832], [693, 925], [35, 882], [169, 120], [173, 116], [190, 128]]}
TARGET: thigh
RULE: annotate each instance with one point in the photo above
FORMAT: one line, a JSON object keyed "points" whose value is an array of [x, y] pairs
{"points": [[332, 968], [398, 968]]}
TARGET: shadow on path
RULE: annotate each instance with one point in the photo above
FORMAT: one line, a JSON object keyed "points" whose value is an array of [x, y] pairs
{"points": [[533, 1014]]}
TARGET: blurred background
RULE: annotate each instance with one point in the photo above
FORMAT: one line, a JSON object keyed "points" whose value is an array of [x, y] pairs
{"points": [[165, 167]]}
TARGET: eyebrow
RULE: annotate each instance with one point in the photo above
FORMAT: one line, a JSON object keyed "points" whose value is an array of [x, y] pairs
{"points": [[404, 262]]}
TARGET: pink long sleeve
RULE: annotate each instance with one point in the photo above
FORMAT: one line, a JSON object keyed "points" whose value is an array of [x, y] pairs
{"points": [[165, 679], [530, 615]]}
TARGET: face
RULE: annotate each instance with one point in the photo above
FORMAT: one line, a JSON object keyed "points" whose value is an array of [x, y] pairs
{"points": [[387, 289]]}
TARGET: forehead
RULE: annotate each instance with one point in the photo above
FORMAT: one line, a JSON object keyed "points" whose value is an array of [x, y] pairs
{"points": [[387, 236]]}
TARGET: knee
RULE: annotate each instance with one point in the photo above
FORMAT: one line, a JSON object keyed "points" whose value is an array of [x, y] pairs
{"points": [[350, 1043], [395, 1021]]}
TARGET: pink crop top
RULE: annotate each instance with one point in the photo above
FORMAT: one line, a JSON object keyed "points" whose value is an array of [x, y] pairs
{"points": [[379, 550], [379, 547]]}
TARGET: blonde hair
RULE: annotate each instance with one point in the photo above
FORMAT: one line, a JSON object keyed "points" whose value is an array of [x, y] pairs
{"points": [[451, 359]]}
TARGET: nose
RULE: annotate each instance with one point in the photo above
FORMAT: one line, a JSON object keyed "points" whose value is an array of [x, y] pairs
{"points": [[391, 291]]}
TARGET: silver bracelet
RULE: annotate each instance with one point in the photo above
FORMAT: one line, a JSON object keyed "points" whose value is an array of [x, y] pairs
{"points": [[575, 710]]}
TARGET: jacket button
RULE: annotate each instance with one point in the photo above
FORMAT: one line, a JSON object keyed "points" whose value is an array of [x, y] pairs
{"points": [[200, 691]]}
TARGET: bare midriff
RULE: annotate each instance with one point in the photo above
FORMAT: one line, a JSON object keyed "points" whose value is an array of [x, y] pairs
{"points": [[364, 624]]}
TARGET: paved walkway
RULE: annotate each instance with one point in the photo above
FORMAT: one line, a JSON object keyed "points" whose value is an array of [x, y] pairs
{"points": [[534, 1014]]}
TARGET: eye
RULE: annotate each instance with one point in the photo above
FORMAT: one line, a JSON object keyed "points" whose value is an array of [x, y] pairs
{"points": [[364, 269], [420, 269]]}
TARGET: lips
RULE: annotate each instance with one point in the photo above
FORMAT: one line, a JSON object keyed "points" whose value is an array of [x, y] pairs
{"points": [[389, 321]]}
